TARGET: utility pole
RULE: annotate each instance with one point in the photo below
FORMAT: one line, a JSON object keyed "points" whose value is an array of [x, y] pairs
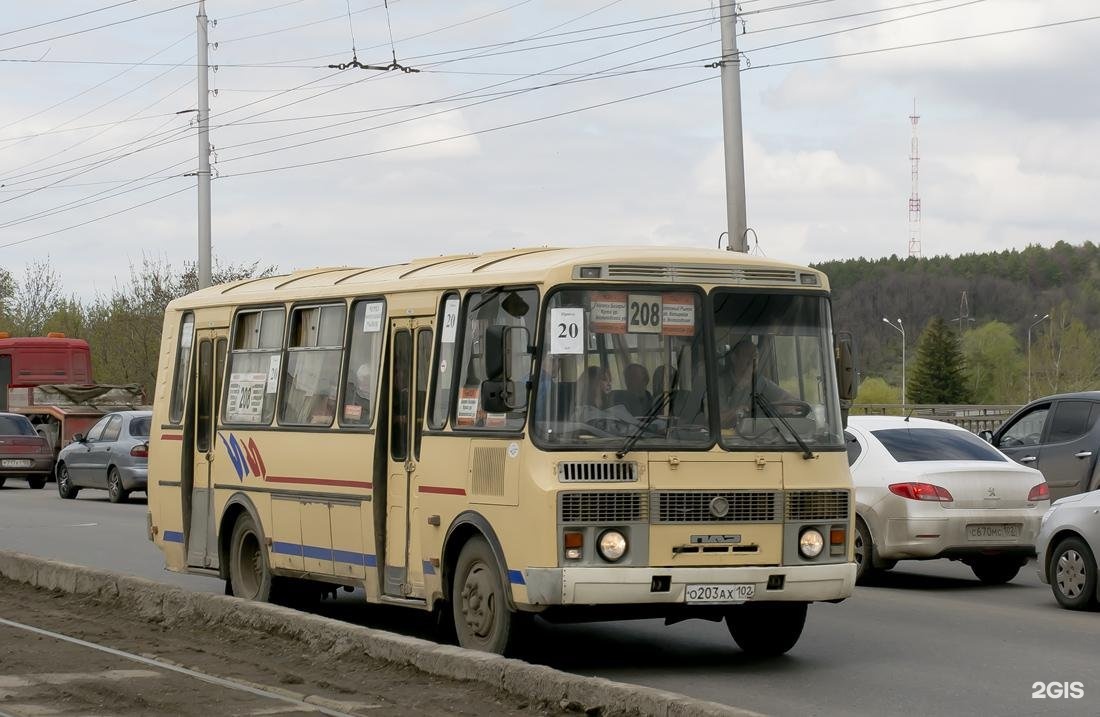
{"points": [[203, 265], [736, 218]]}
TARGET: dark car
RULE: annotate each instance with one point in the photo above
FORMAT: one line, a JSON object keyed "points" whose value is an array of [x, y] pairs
{"points": [[23, 453], [113, 456], [1060, 436]]}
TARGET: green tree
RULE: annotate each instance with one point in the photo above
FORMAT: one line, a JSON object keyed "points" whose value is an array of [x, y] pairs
{"points": [[994, 363], [940, 372], [876, 390]]}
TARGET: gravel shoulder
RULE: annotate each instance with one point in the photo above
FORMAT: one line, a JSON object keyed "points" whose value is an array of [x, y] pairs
{"points": [[41, 673]]}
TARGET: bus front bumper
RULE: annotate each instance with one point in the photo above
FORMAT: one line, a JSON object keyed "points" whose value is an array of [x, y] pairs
{"points": [[633, 586]]}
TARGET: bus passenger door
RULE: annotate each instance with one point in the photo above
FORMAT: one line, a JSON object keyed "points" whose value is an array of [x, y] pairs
{"points": [[410, 357], [197, 488]]}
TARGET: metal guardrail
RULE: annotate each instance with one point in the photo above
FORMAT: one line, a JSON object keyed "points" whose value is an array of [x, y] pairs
{"points": [[974, 418]]}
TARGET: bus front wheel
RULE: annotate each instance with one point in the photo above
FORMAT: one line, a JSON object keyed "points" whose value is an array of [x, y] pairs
{"points": [[483, 621], [766, 629], [249, 573]]}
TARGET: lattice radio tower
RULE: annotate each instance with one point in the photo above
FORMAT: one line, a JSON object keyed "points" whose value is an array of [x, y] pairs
{"points": [[914, 198]]}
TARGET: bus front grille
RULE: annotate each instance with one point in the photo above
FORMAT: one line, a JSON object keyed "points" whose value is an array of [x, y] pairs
{"points": [[742, 506], [597, 472], [603, 507], [817, 505]]}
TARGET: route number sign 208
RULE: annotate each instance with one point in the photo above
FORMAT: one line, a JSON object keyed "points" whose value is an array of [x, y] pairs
{"points": [[644, 314]]}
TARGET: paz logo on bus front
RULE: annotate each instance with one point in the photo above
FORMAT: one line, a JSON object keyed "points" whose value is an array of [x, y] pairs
{"points": [[715, 539]]}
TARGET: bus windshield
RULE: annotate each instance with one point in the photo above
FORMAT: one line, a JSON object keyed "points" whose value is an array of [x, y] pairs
{"points": [[775, 382], [628, 368], [623, 364]]}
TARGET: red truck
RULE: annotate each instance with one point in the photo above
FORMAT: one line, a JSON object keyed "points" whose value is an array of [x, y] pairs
{"points": [[49, 380]]}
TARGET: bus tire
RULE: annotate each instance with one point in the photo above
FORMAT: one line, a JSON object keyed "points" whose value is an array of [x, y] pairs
{"points": [[249, 572], [766, 629], [482, 619], [65, 487]]}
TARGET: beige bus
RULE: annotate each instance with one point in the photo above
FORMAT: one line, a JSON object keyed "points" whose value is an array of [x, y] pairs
{"points": [[578, 434]]}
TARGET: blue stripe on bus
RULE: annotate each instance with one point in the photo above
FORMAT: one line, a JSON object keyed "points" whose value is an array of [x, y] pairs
{"points": [[173, 536], [516, 577], [319, 553]]}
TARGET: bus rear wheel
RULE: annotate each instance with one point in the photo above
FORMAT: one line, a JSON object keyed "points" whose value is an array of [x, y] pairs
{"points": [[483, 621], [249, 573], [766, 629]]}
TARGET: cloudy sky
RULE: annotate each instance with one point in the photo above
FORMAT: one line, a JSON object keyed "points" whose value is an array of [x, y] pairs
{"points": [[318, 166]]}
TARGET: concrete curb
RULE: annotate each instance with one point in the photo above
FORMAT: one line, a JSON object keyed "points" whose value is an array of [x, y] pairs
{"points": [[169, 605]]}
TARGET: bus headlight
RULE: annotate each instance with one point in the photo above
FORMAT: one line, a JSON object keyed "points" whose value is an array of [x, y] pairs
{"points": [[612, 545], [810, 543]]}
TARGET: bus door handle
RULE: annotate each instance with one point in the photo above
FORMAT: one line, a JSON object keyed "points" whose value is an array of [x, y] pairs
{"points": [[209, 456], [410, 466]]}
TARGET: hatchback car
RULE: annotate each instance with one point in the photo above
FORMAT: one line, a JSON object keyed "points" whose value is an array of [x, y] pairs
{"points": [[23, 453], [114, 455], [927, 489], [1067, 546], [1059, 436]]}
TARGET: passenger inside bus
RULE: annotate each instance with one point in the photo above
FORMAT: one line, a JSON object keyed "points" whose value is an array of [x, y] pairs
{"points": [[636, 397], [740, 379], [594, 399], [357, 396]]}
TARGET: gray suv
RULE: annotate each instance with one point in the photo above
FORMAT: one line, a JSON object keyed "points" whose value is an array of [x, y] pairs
{"points": [[1060, 436]]}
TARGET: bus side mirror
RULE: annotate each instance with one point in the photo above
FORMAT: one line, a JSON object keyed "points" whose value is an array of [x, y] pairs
{"points": [[507, 365], [846, 368]]}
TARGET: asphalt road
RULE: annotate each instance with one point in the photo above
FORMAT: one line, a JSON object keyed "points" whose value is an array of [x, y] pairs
{"points": [[927, 639]]}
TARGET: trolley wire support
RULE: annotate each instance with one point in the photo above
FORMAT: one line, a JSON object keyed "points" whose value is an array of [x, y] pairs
{"points": [[355, 63]]}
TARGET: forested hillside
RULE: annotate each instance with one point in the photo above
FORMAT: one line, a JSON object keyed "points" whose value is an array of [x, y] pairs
{"points": [[1006, 292]]}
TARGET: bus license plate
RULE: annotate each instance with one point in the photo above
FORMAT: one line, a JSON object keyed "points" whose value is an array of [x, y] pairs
{"points": [[15, 463], [993, 531], [719, 594]]}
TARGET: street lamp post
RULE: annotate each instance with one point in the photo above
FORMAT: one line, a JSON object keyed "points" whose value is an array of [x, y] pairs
{"points": [[900, 328], [1029, 328]]}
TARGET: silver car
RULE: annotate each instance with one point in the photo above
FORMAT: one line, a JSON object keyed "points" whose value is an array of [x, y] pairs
{"points": [[1066, 550], [114, 455], [927, 489]]}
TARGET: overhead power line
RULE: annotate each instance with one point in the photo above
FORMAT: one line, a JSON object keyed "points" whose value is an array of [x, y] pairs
{"points": [[96, 219], [929, 43], [466, 135], [70, 17], [99, 27]]}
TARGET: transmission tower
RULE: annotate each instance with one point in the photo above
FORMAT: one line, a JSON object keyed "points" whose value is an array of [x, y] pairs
{"points": [[914, 197]]}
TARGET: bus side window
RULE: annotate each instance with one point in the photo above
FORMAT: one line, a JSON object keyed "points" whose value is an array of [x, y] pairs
{"points": [[491, 307], [315, 347], [361, 370], [445, 369], [183, 362], [254, 367]]}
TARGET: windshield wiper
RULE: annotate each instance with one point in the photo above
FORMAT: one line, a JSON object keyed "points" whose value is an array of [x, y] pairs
{"points": [[770, 412], [651, 414]]}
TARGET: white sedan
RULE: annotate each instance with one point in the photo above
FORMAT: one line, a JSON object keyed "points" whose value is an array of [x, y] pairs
{"points": [[927, 489]]}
